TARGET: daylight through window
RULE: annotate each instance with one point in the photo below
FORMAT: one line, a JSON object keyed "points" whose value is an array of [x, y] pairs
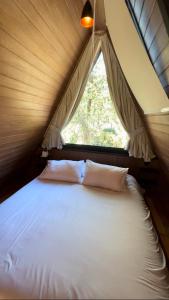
{"points": [[95, 121]]}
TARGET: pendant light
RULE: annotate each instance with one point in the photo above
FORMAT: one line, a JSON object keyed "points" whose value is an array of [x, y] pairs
{"points": [[87, 19]]}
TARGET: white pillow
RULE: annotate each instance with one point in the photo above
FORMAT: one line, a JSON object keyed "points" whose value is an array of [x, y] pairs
{"points": [[105, 176], [63, 170]]}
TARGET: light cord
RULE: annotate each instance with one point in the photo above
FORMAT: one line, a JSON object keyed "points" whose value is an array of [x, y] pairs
{"points": [[93, 29]]}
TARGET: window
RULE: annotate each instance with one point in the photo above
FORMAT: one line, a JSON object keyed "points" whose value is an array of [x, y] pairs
{"points": [[95, 121], [151, 19]]}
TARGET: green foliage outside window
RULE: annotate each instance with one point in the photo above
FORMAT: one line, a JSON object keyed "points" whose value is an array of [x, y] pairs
{"points": [[95, 121]]}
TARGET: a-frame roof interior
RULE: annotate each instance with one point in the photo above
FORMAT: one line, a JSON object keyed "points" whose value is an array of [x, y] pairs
{"points": [[40, 43]]}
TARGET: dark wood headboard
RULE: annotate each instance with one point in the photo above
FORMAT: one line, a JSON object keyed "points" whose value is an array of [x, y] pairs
{"points": [[144, 173]]}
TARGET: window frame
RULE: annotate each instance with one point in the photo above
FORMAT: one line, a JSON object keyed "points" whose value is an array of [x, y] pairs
{"points": [[133, 16], [97, 149]]}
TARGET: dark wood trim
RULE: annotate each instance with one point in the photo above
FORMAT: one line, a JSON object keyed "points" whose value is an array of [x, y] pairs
{"points": [[154, 37], [95, 149], [141, 10], [164, 9], [151, 32], [130, 8]]}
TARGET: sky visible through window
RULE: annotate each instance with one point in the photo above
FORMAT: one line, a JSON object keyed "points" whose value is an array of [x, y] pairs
{"points": [[95, 121]]}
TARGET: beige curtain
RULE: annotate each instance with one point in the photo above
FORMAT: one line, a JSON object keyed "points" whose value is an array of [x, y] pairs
{"points": [[139, 145], [72, 96]]}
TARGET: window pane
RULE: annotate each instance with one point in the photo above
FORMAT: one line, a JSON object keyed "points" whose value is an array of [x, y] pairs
{"points": [[95, 121]]}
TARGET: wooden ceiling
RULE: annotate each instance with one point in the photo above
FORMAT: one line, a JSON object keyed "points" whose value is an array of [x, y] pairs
{"points": [[40, 41]]}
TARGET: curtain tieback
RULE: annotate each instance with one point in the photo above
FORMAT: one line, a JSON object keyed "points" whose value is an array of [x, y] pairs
{"points": [[56, 137], [136, 132]]}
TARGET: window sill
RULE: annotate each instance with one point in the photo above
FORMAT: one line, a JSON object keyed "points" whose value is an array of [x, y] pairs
{"points": [[97, 149]]}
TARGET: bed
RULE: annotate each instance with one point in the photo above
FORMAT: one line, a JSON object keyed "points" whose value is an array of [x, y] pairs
{"points": [[69, 241]]}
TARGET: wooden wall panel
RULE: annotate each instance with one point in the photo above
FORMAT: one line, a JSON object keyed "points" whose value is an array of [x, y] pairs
{"points": [[40, 41], [158, 125], [151, 23]]}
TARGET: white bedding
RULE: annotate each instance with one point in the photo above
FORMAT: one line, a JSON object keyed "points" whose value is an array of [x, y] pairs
{"points": [[67, 241]]}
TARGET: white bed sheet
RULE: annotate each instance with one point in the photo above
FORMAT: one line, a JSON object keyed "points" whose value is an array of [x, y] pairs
{"points": [[68, 241]]}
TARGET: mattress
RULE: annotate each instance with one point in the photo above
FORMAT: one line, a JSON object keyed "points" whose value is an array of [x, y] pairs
{"points": [[68, 241]]}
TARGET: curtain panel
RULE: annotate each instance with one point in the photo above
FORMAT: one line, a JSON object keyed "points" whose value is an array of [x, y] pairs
{"points": [[72, 96], [139, 145]]}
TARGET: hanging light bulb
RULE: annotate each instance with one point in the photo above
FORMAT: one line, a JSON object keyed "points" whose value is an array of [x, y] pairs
{"points": [[87, 19]]}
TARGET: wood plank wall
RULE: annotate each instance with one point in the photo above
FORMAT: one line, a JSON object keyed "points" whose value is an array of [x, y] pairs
{"points": [[158, 125], [40, 41], [155, 36], [158, 198]]}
